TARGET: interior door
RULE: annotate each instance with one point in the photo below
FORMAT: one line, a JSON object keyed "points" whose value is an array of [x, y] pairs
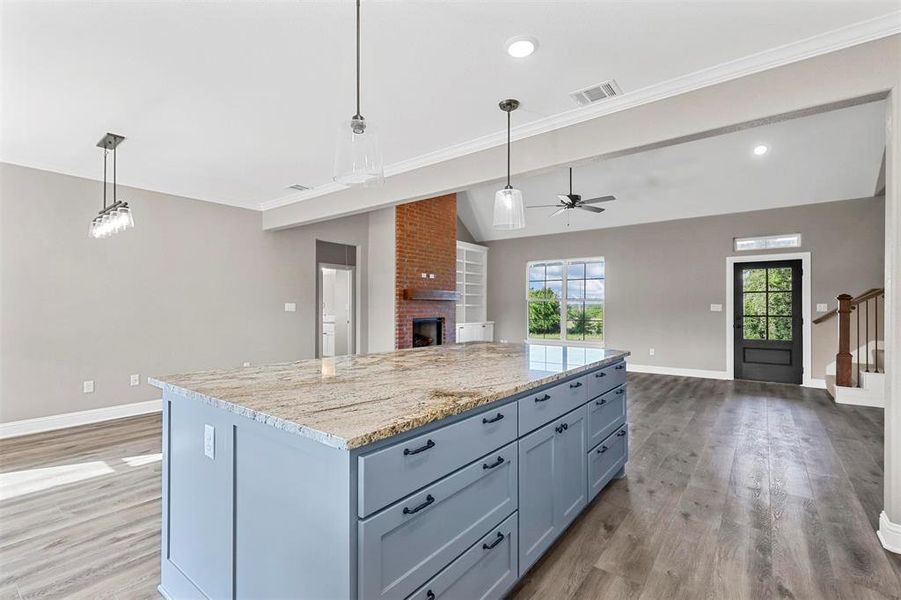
{"points": [[768, 321], [336, 301]]}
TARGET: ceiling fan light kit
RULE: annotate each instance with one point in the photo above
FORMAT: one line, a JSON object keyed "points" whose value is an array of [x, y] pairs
{"points": [[358, 158], [509, 212]]}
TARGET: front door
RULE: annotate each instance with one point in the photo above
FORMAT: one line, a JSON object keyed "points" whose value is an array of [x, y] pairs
{"points": [[768, 321]]}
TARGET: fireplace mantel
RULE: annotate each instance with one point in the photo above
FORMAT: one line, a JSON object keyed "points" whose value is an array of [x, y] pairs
{"points": [[427, 294]]}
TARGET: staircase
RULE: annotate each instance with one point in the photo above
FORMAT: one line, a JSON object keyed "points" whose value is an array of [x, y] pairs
{"points": [[858, 377]]}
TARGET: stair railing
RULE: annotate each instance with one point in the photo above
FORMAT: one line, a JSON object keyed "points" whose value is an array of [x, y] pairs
{"points": [[845, 360]]}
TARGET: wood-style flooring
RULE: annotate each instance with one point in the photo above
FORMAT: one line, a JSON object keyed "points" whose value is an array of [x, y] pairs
{"points": [[734, 490]]}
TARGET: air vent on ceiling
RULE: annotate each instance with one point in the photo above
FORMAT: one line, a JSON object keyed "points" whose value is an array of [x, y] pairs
{"points": [[597, 92], [298, 187]]}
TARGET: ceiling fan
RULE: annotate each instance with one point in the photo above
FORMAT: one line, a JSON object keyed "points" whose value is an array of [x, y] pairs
{"points": [[570, 201]]}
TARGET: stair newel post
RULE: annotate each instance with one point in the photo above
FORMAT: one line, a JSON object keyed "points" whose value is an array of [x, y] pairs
{"points": [[843, 357]]}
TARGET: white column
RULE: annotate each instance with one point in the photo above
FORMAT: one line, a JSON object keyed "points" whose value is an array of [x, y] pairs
{"points": [[890, 519]]}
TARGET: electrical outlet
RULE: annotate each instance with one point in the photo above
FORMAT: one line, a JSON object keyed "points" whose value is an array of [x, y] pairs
{"points": [[503, 341], [821, 308], [716, 308], [246, 364], [431, 276], [209, 442], [424, 275], [651, 351], [135, 379], [290, 307], [88, 386]]}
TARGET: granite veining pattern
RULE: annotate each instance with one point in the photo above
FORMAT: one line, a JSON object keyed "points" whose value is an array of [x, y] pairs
{"points": [[351, 401]]}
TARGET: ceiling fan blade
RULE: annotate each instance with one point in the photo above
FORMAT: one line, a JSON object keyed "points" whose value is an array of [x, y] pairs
{"points": [[594, 209], [601, 199], [564, 198], [557, 212], [545, 206]]}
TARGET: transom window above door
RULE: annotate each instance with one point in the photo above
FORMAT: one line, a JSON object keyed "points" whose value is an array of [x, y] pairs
{"points": [[565, 300]]}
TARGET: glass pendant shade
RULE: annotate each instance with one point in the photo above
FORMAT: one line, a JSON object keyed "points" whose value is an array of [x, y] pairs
{"points": [[508, 209], [358, 159]]}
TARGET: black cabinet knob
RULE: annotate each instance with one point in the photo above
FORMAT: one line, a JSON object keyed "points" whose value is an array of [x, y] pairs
{"points": [[430, 595], [544, 398], [621, 433], [601, 374], [602, 449], [576, 384], [601, 402]]}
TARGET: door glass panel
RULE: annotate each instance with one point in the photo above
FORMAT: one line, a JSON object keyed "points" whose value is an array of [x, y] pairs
{"points": [[755, 304], [780, 279], [780, 329], [754, 328], [780, 304], [753, 280]]}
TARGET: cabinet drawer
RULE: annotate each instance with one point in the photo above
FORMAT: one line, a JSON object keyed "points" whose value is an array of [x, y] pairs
{"points": [[604, 380], [539, 408], [389, 474], [403, 547], [485, 571], [606, 414], [606, 459]]}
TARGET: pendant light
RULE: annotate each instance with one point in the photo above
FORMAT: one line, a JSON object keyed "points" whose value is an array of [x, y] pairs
{"points": [[358, 159], [508, 207], [117, 216]]}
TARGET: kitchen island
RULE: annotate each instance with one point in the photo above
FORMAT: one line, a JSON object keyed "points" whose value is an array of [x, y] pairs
{"points": [[441, 472]]}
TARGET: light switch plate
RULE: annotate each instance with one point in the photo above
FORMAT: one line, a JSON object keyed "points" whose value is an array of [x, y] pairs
{"points": [[290, 307], [135, 379], [424, 275], [822, 308], [651, 351], [88, 386], [431, 276], [716, 308], [209, 442]]}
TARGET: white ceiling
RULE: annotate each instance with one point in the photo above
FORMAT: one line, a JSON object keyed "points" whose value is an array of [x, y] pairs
{"points": [[828, 156], [234, 101]]}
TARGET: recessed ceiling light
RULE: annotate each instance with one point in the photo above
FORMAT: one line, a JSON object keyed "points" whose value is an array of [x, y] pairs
{"points": [[521, 46], [761, 149]]}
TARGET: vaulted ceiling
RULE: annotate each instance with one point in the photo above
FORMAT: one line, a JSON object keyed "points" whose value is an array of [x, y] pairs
{"points": [[833, 155], [233, 102]]}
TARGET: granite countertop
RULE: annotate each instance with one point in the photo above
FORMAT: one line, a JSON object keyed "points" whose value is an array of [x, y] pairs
{"points": [[351, 401]]}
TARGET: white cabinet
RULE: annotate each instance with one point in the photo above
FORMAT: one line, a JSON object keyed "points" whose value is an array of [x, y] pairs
{"points": [[472, 280], [475, 332]]}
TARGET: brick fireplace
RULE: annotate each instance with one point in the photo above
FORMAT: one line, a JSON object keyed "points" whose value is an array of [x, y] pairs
{"points": [[426, 242]]}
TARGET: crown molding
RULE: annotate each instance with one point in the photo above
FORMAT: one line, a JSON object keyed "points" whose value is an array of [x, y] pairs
{"points": [[824, 43]]}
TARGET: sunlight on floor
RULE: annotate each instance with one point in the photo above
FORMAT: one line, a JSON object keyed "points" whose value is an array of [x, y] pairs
{"points": [[19, 483], [143, 459]]}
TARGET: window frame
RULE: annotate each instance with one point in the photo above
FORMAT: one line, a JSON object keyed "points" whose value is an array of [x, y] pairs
{"points": [[564, 302], [766, 239]]}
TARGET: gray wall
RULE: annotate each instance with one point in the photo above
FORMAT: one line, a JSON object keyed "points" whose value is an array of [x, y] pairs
{"points": [[193, 286], [381, 280], [662, 277]]}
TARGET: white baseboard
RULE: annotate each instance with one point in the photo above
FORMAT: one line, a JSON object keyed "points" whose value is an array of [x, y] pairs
{"points": [[73, 419], [819, 384], [657, 370], [853, 396], [889, 534]]}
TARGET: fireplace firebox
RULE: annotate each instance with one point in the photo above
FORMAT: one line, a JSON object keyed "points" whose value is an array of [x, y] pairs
{"points": [[428, 332]]}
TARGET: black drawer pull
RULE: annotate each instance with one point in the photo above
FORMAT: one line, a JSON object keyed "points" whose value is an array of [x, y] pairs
{"points": [[621, 433], [430, 595], [561, 428], [497, 463], [494, 420], [497, 540], [601, 374], [576, 384], [620, 391], [601, 402], [602, 449], [410, 511], [620, 367], [544, 398], [428, 444]]}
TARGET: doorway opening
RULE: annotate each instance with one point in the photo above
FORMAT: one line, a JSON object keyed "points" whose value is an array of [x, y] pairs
{"points": [[336, 310], [768, 321]]}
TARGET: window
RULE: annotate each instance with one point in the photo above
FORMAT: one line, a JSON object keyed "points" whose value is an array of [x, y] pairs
{"points": [[566, 300], [768, 242], [767, 303]]}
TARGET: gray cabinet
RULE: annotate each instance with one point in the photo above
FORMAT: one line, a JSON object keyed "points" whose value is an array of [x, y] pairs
{"points": [[552, 483], [606, 459], [606, 414]]}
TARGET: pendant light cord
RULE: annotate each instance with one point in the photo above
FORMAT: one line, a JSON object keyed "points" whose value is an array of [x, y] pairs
{"points": [[114, 175], [105, 152], [358, 58], [508, 151], [570, 181]]}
